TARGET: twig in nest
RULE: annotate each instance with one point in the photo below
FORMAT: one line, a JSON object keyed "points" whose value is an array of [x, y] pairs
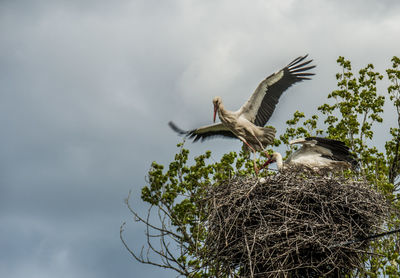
{"points": [[289, 225]]}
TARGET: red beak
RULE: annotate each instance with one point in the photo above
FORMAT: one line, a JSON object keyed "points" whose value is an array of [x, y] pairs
{"points": [[268, 162], [215, 112]]}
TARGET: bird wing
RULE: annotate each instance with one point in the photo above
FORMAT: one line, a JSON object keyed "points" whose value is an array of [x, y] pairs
{"points": [[204, 132], [335, 146], [330, 148], [260, 106]]}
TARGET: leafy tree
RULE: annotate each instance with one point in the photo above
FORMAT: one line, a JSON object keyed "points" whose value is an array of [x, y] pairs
{"points": [[355, 109], [175, 231]]}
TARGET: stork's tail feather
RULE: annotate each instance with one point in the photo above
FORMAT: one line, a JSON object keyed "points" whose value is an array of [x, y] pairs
{"points": [[269, 133], [177, 129]]}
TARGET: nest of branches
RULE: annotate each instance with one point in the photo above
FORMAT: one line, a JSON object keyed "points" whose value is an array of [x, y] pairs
{"points": [[294, 224]]}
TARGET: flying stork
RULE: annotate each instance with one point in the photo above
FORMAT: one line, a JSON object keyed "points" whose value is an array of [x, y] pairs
{"points": [[317, 153], [248, 122]]}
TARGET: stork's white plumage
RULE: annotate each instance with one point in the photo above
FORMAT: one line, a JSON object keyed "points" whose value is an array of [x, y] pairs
{"points": [[317, 153], [248, 122]]}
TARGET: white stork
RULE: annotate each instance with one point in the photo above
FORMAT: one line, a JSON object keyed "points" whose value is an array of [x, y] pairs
{"points": [[248, 122], [317, 153]]}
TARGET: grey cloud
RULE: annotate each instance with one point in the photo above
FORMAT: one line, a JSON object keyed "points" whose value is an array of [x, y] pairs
{"points": [[87, 89]]}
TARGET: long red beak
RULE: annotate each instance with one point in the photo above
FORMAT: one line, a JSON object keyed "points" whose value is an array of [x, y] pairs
{"points": [[215, 112], [266, 164]]}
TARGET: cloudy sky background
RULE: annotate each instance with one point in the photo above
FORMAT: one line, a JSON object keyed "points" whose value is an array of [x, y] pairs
{"points": [[87, 89]]}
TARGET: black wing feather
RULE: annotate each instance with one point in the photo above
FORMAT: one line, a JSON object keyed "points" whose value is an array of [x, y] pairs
{"points": [[292, 73], [340, 151], [198, 134]]}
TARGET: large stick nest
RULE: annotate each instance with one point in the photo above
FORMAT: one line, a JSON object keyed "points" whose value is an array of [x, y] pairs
{"points": [[295, 224]]}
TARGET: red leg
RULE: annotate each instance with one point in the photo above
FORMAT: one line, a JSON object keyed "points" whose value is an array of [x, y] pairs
{"points": [[268, 162], [254, 151], [249, 145]]}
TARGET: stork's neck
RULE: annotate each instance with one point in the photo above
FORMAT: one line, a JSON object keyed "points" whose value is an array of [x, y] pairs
{"points": [[221, 109], [224, 115], [279, 161]]}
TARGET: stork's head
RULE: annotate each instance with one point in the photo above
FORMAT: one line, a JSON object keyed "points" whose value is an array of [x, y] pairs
{"points": [[217, 102]]}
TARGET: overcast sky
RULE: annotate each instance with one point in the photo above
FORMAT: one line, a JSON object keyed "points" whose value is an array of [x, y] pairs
{"points": [[87, 89]]}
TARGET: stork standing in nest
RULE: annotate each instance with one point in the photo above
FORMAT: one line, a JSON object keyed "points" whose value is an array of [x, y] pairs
{"points": [[317, 153], [247, 123]]}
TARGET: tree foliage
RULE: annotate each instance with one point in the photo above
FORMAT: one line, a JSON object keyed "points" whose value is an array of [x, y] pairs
{"points": [[354, 108], [174, 224]]}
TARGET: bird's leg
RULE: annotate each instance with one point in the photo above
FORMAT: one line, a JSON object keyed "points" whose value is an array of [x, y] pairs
{"points": [[266, 154], [255, 163], [262, 147], [255, 153]]}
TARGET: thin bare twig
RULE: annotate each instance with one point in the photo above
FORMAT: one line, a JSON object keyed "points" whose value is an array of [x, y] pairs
{"points": [[287, 227]]}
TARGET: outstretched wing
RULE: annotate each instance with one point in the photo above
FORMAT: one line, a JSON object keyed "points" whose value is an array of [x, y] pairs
{"points": [[204, 132], [260, 106]]}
